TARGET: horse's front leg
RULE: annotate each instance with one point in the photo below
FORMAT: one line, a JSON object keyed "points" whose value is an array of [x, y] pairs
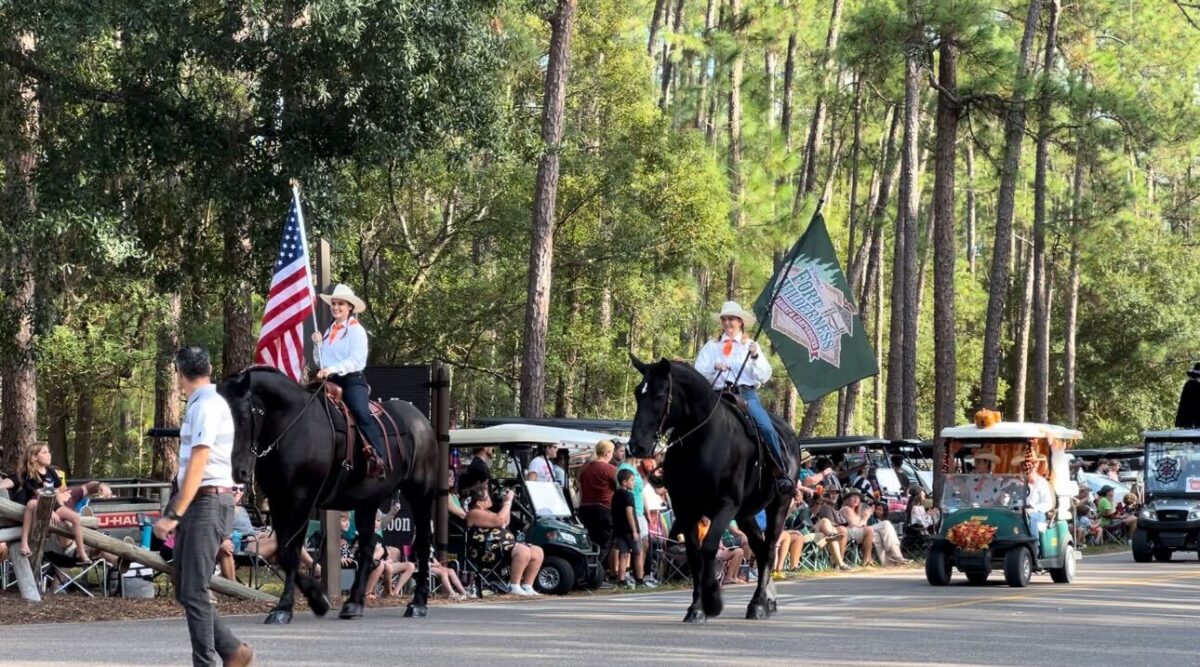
{"points": [[710, 589], [364, 523], [691, 542], [282, 613]]}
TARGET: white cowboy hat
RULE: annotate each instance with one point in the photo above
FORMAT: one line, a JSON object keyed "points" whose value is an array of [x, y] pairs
{"points": [[344, 293], [732, 309]]}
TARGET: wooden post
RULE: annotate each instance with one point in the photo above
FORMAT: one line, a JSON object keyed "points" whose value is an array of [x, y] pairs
{"points": [[331, 561], [37, 532], [14, 512], [26, 582], [441, 426]]}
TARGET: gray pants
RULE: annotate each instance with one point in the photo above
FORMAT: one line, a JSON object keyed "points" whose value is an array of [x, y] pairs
{"points": [[198, 537]]}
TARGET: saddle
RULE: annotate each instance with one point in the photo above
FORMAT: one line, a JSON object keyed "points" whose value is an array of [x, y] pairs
{"points": [[388, 427], [742, 410]]}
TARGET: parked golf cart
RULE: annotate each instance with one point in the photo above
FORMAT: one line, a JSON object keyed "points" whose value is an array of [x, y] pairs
{"points": [[852, 451], [1169, 520], [994, 501], [541, 509]]}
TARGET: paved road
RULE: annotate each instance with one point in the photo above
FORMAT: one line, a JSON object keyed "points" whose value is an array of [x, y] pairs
{"points": [[1116, 613]]}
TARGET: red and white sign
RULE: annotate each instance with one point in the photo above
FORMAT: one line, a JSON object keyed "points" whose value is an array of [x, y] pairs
{"points": [[122, 519], [1193, 484]]}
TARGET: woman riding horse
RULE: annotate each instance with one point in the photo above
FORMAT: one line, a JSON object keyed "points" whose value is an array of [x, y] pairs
{"points": [[714, 472], [343, 358], [287, 439], [734, 363]]}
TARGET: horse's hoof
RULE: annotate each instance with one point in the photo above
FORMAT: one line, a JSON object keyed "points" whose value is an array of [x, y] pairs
{"points": [[278, 617], [757, 612], [694, 616], [416, 611], [351, 610], [320, 605]]}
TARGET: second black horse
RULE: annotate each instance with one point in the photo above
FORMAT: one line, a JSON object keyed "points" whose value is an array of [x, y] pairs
{"points": [[714, 471], [286, 437]]}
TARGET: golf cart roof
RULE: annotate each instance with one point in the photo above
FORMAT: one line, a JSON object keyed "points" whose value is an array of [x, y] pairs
{"points": [[1173, 434], [522, 434], [1116, 453], [842, 443], [1011, 431], [602, 425]]}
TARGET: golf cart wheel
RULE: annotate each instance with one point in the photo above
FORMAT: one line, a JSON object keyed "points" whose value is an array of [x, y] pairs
{"points": [[1066, 573], [1162, 554], [937, 567], [1018, 567], [1142, 553], [977, 578], [596, 577], [556, 577]]}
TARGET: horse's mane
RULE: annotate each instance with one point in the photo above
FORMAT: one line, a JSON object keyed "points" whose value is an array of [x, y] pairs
{"points": [[696, 387], [274, 377]]}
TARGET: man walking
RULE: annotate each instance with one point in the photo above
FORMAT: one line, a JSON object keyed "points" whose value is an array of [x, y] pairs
{"points": [[201, 514]]}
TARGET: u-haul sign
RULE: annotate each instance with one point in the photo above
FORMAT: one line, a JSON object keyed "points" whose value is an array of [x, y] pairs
{"points": [[122, 519]]}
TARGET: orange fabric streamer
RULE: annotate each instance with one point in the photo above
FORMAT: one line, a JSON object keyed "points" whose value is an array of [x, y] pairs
{"points": [[333, 333]]}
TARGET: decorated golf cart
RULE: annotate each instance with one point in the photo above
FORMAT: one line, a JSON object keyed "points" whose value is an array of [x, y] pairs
{"points": [[988, 521], [1170, 517]]}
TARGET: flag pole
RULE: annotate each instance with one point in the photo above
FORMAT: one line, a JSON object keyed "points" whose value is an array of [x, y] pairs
{"points": [[787, 261], [307, 266]]}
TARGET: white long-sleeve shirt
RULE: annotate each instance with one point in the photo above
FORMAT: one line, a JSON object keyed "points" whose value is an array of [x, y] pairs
{"points": [[1041, 498], [344, 348], [757, 371]]}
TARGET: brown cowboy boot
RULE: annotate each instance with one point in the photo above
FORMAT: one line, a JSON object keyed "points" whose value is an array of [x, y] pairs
{"points": [[375, 465]]}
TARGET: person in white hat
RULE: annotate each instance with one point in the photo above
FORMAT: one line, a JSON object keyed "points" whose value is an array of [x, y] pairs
{"points": [[721, 361], [343, 358]]}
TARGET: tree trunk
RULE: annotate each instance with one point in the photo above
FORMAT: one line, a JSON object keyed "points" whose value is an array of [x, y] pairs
{"points": [[1041, 308], [789, 95], [57, 421], [737, 185], [1021, 358], [707, 64], [1014, 134], [855, 147], [972, 242], [656, 21], [878, 384], [19, 114], [165, 464], [874, 248], [1072, 307], [239, 320], [816, 126], [812, 415], [85, 417], [541, 253], [945, 241], [907, 263], [668, 68]]}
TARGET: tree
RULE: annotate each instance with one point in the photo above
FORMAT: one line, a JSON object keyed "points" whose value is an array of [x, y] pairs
{"points": [[545, 194], [1042, 286], [945, 237], [1014, 135]]}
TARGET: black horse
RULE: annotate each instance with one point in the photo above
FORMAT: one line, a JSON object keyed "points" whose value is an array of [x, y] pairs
{"points": [[285, 437], [713, 470]]}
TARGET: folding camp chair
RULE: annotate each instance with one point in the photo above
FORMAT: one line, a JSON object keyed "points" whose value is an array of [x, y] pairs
{"points": [[668, 556], [476, 577], [66, 572]]}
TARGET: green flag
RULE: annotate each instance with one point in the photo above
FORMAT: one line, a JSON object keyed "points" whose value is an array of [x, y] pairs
{"points": [[808, 312]]}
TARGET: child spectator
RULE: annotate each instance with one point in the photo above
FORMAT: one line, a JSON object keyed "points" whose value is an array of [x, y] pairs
{"points": [[627, 540], [1087, 531], [36, 474], [449, 578]]}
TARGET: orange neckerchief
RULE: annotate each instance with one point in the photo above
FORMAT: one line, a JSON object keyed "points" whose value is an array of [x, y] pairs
{"points": [[337, 327]]}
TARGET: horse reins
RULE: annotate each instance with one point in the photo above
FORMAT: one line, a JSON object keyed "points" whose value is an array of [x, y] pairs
{"points": [[671, 442], [255, 410]]}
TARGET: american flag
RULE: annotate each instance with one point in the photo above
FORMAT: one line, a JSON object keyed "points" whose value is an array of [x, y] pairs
{"points": [[281, 340]]}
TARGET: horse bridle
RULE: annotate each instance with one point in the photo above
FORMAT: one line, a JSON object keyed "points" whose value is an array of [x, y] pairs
{"points": [[659, 432], [257, 411]]}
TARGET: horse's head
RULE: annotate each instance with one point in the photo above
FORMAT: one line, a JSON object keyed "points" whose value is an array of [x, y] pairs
{"points": [[654, 396], [247, 420]]}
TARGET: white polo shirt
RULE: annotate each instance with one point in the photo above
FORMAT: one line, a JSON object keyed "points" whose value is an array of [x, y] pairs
{"points": [[207, 422]]}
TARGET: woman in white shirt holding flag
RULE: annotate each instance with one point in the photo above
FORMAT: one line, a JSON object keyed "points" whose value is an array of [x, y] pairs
{"points": [[343, 358], [720, 361]]}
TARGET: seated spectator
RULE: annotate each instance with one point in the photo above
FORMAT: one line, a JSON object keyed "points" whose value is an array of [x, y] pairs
{"points": [[1109, 518], [854, 517], [829, 524], [542, 467], [387, 564], [878, 514], [887, 542], [730, 556], [920, 518], [828, 474], [490, 540], [1129, 505], [478, 472], [789, 547], [36, 474], [1087, 531], [454, 505], [347, 541], [449, 578], [898, 466]]}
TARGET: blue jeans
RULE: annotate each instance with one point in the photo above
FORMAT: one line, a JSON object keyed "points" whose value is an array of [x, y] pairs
{"points": [[759, 414], [357, 397]]}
